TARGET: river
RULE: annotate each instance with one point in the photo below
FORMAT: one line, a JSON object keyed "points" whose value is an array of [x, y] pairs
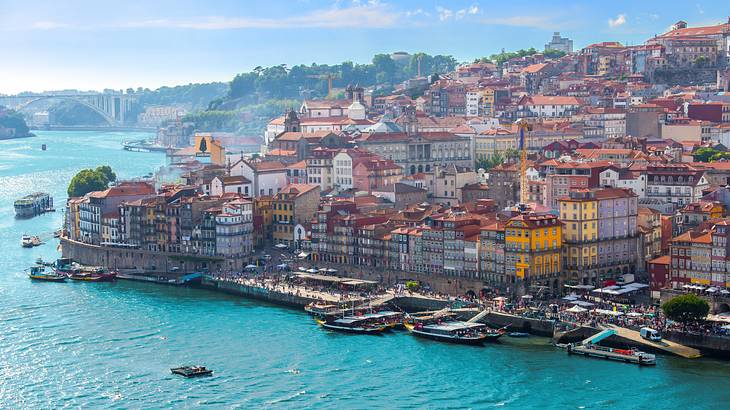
{"points": [[111, 345]]}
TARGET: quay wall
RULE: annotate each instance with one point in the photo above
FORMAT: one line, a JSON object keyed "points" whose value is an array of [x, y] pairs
{"points": [[418, 304], [538, 327], [256, 292], [141, 260], [718, 303], [709, 345]]}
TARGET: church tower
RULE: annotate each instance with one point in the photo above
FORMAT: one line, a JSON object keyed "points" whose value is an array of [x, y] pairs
{"points": [[411, 122], [291, 122]]}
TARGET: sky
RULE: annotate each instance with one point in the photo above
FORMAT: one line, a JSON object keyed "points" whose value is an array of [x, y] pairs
{"points": [[92, 45]]}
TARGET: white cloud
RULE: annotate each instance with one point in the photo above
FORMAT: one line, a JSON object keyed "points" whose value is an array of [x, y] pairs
{"points": [[48, 25], [446, 14], [541, 22], [620, 20], [371, 14]]}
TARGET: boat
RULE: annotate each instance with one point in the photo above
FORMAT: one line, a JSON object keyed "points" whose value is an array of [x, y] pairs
{"points": [[191, 371], [33, 204], [322, 309], [26, 241], [354, 324], [518, 334], [455, 331], [40, 273], [57, 233], [623, 355]]}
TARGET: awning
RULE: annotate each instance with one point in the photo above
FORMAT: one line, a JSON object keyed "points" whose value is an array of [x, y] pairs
{"points": [[576, 309], [303, 255], [251, 267], [280, 246]]}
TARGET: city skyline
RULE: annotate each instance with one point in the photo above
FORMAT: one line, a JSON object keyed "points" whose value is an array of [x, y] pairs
{"points": [[89, 47]]}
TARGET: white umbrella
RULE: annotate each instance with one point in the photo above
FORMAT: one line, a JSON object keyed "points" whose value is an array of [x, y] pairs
{"points": [[527, 297], [280, 246], [576, 309], [251, 267]]}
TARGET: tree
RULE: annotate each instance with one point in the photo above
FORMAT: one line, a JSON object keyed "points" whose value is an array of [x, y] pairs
{"points": [[88, 180], [106, 170], [704, 154], [686, 308], [13, 119], [412, 285]]}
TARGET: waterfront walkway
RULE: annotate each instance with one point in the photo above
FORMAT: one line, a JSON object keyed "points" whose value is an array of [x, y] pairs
{"points": [[664, 345]]}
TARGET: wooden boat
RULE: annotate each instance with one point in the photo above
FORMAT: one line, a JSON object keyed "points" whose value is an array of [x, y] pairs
{"points": [[40, 273], [191, 371], [353, 324], [456, 332]]}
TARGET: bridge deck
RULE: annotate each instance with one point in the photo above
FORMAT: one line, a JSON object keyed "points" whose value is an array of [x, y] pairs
{"points": [[664, 345]]}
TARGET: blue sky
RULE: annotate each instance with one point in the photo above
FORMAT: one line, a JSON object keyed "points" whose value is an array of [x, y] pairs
{"points": [[85, 44]]}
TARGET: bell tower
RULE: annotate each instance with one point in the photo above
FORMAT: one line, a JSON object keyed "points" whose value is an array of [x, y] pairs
{"points": [[291, 122]]}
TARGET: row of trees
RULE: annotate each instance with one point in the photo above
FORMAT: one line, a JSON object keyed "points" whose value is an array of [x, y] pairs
{"points": [[503, 56], [280, 81]]}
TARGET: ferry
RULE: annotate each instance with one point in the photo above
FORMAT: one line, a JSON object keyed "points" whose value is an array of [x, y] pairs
{"points": [[33, 204], [354, 324], [455, 331], [623, 355], [40, 273]]}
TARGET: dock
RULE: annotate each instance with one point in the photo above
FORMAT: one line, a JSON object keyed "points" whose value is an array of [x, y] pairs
{"points": [[663, 345]]}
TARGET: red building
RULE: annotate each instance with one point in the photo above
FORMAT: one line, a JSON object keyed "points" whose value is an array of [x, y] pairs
{"points": [[714, 111], [659, 272]]}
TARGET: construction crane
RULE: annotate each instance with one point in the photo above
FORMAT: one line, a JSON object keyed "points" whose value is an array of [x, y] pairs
{"points": [[523, 126], [329, 78]]}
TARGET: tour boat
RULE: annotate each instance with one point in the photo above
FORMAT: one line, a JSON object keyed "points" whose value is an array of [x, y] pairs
{"points": [[33, 204], [354, 324], [191, 371], [456, 332], [96, 275], [40, 273]]}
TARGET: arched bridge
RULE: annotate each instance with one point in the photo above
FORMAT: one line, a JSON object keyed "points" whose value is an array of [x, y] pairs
{"points": [[112, 107]]}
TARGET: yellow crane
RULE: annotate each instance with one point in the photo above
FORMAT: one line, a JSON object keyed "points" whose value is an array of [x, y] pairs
{"points": [[523, 127]]}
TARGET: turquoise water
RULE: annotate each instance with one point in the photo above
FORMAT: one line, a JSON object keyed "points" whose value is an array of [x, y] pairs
{"points": [[110, 345]]}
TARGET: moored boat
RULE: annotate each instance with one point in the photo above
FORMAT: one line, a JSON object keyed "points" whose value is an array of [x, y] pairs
{"points": [[354, 324], [456, 332], [623, 355], [33, 204], [40, 273]]}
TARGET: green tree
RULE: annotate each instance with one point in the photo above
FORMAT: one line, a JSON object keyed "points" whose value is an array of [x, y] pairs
{"points": [[384, 68], [106, 170], [412, 285], [13, 119], [704, 154], [87, 180], [686, 308]]}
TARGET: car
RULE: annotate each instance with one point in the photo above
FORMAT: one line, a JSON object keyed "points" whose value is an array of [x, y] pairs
{"points": [[650, 334]]}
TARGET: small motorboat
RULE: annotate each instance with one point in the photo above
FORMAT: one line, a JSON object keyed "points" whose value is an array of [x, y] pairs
{"points": [[40, 273], [26, 241], [518, 334], [191, 371], [57, 234]]}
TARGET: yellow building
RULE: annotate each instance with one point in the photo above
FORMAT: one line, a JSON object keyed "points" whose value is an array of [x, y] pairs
{"points": [[579, 214], [292, 208], [492, 142], [207, 147], [533, 244], [263, 219]]}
